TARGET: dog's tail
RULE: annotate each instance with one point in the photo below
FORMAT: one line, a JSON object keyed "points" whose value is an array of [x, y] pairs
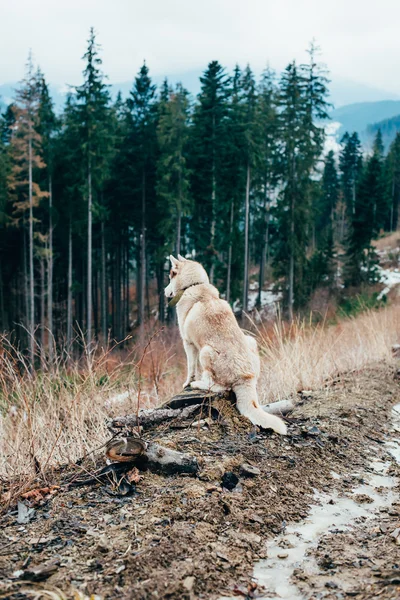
{"points": [[247, 405]]}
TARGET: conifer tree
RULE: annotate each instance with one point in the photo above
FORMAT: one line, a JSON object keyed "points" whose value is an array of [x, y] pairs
{"points": [[93, 103], [209, 136], [350, 163], [25, 192], [172, 169], [266, 171], [47, 128], [142, 140], [392, 176], [249, 128], [368, 217]]}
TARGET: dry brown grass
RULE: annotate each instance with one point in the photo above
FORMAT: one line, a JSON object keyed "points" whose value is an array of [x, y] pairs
{"points": [[58, 416], [390, 241], [303, 356]]}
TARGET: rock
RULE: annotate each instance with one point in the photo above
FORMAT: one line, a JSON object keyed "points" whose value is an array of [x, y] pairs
{"points": [[256, 519], [188, 583], [229, 480], [331, 585], [249, 470], [283, 555], [39, 573], [25, 514], [396, 535]]}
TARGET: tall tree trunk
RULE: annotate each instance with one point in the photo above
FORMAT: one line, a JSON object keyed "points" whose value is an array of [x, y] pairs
{"points": [[265, 248], [69, 291], [3, 324], [42, 310], [213, 200], [118, 294], [31, 273], [229, 273], [142, 290], [291, 259], [95, 301], [103, 285], [178, 232], [89, 262], [246, 243], [212, 241], [50, 277], [127, 323], [161, 296], [26, 303]]}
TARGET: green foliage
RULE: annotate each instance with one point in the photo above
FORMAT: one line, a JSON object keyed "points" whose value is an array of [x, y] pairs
{"points": [[351, 306]]}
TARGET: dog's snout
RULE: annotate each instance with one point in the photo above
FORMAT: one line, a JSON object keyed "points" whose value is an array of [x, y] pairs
{"points": [[168, 291]]}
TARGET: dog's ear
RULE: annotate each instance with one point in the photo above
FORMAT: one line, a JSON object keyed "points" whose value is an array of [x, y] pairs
{"points": [[181, 258], [173, 260]]}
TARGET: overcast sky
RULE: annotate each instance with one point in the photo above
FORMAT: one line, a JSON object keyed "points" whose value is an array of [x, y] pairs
{"points": [[360, 39]]}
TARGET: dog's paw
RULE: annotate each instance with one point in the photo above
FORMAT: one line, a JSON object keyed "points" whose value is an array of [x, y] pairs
{"points": [[198, 385]]}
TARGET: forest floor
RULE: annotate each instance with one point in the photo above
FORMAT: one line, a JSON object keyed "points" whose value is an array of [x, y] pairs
{"points": [[181, 537]]}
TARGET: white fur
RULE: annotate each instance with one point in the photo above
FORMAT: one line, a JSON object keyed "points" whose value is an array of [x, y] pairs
{"points": [[219, 355]]}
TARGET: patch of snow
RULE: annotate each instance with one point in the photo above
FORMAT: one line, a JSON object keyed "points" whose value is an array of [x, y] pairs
{"points": [[390, 279], [269, 302]]}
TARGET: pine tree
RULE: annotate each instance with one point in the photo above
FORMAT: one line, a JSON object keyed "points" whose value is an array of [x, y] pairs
{"points": [[350, 163], [172, 169], [233, 171], [25, 192], [302, 107], [392, 176], [368, 217], [142, 138], [249, 125], [208, 146], [47, 128], [93, 103], [266, 170]]}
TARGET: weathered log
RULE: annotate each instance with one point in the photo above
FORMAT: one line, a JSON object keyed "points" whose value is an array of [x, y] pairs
{"points": [[151, 416], [168, 461], [151, 456]]}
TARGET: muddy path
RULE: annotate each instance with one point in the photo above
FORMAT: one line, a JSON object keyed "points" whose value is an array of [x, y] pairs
{"points": [[315, 517]]}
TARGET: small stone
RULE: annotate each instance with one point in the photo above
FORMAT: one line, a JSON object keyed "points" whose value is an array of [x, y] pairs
{"points": [[331, 585], [283, 555], [249, 470], [188, 583]]}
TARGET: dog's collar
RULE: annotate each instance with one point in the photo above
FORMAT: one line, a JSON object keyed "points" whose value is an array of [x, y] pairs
{"points": [[179, 295]]}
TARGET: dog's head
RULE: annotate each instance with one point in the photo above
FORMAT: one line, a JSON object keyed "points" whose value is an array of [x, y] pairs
{"points": [[183, 274]]}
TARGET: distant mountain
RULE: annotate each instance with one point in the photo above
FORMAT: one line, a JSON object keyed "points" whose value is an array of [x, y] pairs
{"points": [[344, 92], [358, 116]]}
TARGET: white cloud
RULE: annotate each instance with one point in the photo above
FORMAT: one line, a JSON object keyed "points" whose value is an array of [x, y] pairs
{"points": [[359, 39]]}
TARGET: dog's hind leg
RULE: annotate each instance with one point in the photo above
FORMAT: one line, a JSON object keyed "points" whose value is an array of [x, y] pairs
{"points": [[206, 382]]}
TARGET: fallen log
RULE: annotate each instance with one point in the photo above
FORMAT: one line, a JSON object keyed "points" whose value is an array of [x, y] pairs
{"points": [[183, 406], [151, 456], [168, 461], [152, 416]]}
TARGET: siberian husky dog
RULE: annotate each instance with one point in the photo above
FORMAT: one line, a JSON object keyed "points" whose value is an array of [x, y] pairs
{"points": [[219, 355]]}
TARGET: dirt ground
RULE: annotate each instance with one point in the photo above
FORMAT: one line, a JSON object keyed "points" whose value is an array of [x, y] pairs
{"points": [[181, 537]]}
